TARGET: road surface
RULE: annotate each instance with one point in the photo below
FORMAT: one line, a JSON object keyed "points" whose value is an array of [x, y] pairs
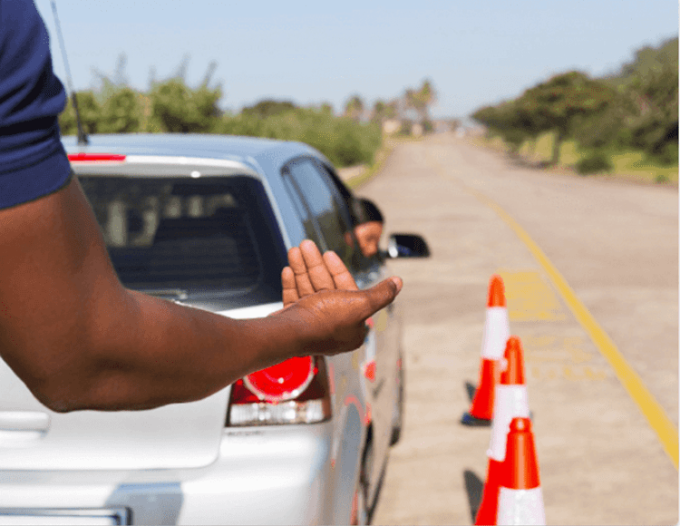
{"points": [[603, 451]]}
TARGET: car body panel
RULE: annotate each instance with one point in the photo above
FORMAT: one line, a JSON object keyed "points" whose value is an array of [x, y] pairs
{"points": [[173, 436]]}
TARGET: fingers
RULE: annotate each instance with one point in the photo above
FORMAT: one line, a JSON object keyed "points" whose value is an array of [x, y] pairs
{"points": [[309, 269], [310, 272], [290, 292], [297, 264], [382, 294], [319, 274], [342, 278]]}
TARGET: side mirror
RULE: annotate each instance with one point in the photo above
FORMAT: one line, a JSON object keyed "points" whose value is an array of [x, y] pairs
{"points": [[407, 246]]}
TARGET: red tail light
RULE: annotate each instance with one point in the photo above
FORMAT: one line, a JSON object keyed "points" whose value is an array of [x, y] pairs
{"points": [[91, 157], [283, 381], [295, 391]]}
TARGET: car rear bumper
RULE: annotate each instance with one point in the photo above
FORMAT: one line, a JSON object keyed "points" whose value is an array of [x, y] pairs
{"points": [[262, 479], [273, 475]]}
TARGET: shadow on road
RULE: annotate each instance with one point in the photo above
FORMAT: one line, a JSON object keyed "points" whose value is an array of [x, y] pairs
{"points": [[474, 487], [470, 388]]}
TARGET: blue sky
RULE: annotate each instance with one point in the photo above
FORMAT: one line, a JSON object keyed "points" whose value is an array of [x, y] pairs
{"points": [[475, 52]]}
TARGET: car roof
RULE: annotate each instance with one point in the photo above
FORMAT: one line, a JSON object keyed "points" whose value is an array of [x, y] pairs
{"points": [[241, 149]]}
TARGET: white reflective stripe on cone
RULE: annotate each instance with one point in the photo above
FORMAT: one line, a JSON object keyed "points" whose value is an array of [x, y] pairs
{"points": [[510, 401], [496, 333], [520, 506]]}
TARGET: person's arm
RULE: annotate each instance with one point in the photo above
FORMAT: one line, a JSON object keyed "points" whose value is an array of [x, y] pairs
{"points": [[80, 340]]}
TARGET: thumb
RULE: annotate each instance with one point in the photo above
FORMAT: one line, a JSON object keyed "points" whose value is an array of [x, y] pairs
{"points": [[382, 294]]}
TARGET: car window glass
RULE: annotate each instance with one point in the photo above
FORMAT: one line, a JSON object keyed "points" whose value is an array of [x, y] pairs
{"points": [[215, 236], [302, 211], [326, 207], [354, 213]]}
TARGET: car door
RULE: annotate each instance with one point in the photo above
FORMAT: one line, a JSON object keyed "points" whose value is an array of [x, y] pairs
{"points": [[327, 205], [383, 347]]}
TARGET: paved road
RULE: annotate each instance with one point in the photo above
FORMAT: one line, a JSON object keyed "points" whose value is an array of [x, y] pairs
{"points": [[616, 245]]}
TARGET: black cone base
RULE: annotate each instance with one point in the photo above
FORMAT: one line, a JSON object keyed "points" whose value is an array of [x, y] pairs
{"points": [[472, 421]]}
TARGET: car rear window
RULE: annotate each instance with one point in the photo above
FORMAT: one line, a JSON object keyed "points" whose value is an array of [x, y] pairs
{"points": [[214, 236]]}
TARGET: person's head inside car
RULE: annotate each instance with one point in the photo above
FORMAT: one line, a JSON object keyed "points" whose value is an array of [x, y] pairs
{"points": [[370, 227]]}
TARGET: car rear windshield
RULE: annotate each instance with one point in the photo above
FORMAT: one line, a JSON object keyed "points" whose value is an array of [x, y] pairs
{"points": [[214, 236]]}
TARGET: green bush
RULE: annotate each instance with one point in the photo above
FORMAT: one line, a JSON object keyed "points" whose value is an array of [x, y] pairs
{"points": [[405, 128], [172, 106], [180, 109], [594, 163], [120, 113], [90, 114], [344, 141], [667, 154]]}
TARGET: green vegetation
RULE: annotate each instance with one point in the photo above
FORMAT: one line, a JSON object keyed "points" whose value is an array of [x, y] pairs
{"points": [[171, 106], [626, 123], [342, 139], [594, 163], [413, 107]]}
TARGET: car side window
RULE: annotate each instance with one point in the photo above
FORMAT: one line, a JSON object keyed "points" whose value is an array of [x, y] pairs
{"points": [[326, 206], [342, 191], [311, 230], [354, 213]]}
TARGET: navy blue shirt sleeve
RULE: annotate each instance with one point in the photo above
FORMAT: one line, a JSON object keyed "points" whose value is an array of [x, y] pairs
{"points": [[33, 162]]}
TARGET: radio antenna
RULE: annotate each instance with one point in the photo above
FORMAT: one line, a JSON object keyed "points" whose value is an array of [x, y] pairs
{"points": [[82, 137]]}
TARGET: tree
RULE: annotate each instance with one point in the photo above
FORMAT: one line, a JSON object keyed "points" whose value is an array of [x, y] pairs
{"points": [[121, 112], [326, 108], [650, 85], [180, 109], [89, 114], [268, 107], [555, 104], [511, 122], [420, 100], [354, 108], [383, 110]]}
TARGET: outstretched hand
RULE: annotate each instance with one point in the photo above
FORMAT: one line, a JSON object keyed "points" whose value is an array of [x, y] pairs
{"points": [[309, 272], [321, 291]]}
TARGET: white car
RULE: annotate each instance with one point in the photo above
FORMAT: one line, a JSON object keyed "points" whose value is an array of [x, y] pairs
{"points": [[206, 221]]}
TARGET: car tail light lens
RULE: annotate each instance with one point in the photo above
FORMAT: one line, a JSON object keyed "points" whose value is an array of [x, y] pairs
{"points": [[295, 391], [283, 381], [92, 157]]}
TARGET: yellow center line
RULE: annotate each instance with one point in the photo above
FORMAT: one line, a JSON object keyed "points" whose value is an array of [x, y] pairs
{"points": [[652, 410]]}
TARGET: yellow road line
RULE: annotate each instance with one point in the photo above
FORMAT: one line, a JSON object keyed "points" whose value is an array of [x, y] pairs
{"points": [[661, 424]]}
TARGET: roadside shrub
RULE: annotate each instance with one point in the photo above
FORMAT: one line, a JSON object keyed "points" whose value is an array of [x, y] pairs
{"points": [[667, 155], [342, 140], [405, 128], [90, 114], [172, 106], [120, 112], [594, 163]]}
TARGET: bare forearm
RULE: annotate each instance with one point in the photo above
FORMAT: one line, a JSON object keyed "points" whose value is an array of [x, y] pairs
{"points": [[79, 340], [174, 354], [161, 353]]}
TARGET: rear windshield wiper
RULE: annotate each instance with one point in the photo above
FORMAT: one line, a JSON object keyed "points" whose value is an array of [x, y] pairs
{"points": [[178, 294]]}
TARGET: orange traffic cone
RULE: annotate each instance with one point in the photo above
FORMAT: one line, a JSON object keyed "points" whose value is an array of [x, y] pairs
{"points": [[510, 401], [496, 332], [520, 500]]}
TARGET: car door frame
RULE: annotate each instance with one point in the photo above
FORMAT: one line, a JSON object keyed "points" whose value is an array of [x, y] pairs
{"points": [[386, 341], [379, 343]]}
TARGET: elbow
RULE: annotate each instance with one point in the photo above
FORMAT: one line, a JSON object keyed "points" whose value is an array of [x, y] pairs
{"points": [[60, 385], [56, 403], [61, 394]]}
